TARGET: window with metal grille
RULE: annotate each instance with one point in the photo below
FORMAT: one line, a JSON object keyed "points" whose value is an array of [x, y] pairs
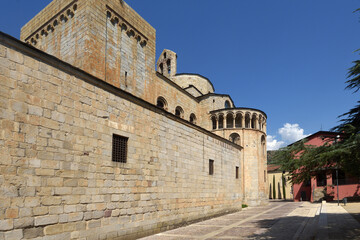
{"points": [[211, 167], [119, 149]]}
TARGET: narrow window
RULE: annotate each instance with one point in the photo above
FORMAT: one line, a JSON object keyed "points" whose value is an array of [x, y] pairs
{"points": [[227, 104], [193, 118], [161, 103], [125, 79], [211, 167], [119, 148], [213, 119], [179, 112], [321, 179], [161, 68], [221, 121], [237, 172], [168, 63]]}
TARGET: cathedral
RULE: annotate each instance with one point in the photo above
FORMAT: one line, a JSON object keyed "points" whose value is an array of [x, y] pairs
{"points": [[100, 140]]}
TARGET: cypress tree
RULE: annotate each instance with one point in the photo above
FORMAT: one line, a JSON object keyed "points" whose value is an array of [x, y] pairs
{"points": [[283, 185], [274, 190]]}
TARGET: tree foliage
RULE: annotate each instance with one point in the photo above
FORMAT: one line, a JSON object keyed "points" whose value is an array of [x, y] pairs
{"points": [[303, 161]]}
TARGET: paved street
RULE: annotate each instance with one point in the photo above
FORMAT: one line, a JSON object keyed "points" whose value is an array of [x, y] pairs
{"points": [[278, 220]]}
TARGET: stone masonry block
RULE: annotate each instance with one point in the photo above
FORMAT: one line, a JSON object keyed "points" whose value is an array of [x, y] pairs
{"points": [[46, 220], [30, 233], [14, 235], [15, 56], [24, 222], [54, 229], [7, 224]]}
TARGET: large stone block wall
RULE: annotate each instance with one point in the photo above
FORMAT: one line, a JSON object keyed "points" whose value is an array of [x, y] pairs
{"points": [[57, 180], [102, 38], [253, 158]]}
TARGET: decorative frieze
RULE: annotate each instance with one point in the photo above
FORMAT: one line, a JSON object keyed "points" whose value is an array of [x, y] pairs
{"points": [[50, 26], [131, 31]]}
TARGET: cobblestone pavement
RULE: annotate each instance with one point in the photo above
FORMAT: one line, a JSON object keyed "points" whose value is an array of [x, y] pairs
{"points": [[278, 220]]}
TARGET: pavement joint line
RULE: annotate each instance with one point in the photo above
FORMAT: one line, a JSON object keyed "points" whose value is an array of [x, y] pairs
{"points": [[305, 222], [212, 234], [177, 235], [323, 223]]}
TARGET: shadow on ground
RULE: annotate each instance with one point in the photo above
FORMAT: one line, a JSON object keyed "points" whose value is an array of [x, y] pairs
{"points": [[339, 226]]}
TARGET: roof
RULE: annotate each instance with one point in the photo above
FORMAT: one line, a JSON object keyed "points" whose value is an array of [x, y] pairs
{"points": [[323, 133], [272, 167], [196, 74]]}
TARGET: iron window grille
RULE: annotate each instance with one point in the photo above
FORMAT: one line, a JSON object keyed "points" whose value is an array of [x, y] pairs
{"points": [[119, 149]]}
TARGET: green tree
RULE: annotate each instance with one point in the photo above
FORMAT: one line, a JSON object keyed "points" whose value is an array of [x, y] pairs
{"points": [[284, 185], [274, 190]]}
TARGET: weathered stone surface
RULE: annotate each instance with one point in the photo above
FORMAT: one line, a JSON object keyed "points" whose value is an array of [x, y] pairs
{"points": [[46, 220], [58, 124], [7, 224]]}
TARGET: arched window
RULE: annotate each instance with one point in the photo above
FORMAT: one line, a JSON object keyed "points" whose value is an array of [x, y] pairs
{"points": [[238, 120], [179, 112], [253, 121], [161, 103], [229, 120], [263, 145], [193, 118], [221, 121], [227, 104], [168, 63], [213, 120], [247, 121], [235, 138]]}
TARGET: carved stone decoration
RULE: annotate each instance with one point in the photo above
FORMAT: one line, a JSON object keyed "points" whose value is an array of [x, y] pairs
{"points": [[50, 26]]}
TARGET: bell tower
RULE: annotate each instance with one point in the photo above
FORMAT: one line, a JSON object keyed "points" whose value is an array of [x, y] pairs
{"points": [[167, 63]]}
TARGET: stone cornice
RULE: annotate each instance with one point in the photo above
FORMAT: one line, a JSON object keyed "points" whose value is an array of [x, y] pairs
{"points": [[131, 31], [50, 26]]}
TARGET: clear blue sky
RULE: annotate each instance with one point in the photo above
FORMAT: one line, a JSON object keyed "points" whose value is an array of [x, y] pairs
{"points": [[288, 58]]}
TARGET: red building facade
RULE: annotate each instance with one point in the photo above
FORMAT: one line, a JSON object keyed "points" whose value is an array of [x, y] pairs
{"points": [[323, 185]]}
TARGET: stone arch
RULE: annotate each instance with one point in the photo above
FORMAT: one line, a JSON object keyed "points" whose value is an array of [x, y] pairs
{"points": [[238, 120], [161, 103], [214, 122], [247, 120], [230, 120], [260, 122], [179, 112], [235, 138], [253, 121], [221, 121], [192, 118], [227, 104]]}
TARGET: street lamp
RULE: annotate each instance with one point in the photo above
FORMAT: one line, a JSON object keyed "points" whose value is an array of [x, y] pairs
{"points": [[337, 174]]}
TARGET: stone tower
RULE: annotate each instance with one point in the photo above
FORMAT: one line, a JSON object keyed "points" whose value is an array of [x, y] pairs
{"points": [[167, 63]]}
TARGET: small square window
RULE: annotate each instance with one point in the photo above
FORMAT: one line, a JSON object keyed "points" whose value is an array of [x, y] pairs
{"points": [[236, 172], [211, 167], [119, 148]]}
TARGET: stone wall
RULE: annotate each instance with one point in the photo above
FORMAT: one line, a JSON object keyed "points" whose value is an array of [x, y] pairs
{"points": [[57, 179]]}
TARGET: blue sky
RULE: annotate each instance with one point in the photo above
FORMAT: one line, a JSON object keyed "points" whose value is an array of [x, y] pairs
{"points": [[288, 58]]}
